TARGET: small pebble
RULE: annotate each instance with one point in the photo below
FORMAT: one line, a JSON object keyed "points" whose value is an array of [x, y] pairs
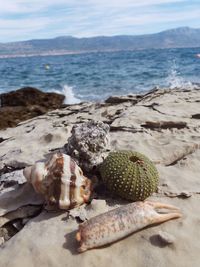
{"points": [[166, 238]]}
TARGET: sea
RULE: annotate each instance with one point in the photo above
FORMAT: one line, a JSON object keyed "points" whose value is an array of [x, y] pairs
{"points": [[96, 76]]}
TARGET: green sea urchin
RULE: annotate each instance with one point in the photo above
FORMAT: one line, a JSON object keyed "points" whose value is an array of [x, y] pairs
{"points": [[129, 174]]}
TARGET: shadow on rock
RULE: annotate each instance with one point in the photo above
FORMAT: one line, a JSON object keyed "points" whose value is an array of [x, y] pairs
{"points": [[71, 244], [46, 215], [157, 241]]}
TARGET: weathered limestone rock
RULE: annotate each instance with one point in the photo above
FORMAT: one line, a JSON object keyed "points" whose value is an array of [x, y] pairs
{"points": [[12, 178], [49, 239]]}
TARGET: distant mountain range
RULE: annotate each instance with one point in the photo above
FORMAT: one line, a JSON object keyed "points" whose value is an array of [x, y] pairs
{"points": [[174, 38]]}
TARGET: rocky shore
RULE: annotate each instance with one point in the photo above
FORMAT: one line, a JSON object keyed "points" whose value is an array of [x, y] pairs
{"points": [[26, 103], [162, 124]]}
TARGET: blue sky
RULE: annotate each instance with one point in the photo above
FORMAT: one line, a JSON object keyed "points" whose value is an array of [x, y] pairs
{"points": [[27, 19]]}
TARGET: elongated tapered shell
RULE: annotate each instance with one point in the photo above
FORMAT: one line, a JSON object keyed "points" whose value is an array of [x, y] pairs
{"points": [[118, 223]]}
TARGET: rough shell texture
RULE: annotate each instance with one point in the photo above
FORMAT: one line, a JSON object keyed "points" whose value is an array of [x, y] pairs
{"points": [[60, 180], [89, 144], [130, 175]]}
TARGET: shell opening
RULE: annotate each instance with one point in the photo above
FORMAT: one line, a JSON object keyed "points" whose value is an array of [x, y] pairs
{"points": [[134, 159]]}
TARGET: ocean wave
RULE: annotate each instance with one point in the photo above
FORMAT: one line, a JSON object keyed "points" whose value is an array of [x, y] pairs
{"points": [[68, 92], [175, 80]]}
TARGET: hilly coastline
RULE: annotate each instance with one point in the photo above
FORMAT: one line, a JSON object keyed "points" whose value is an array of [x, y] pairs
{"points": [[175, 38]]}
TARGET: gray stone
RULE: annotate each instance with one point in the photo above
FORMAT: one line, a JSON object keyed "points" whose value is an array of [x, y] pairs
{"points": [[17, 197], [89, 144], [166, 238], [11, 178]]}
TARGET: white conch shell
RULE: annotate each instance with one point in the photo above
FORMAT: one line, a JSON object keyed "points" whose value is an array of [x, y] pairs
{"points": [[60, 180]]}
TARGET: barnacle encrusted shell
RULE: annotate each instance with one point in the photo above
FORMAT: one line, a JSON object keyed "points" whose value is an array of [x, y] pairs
{"points": [[60, 180], [129, 174], [89, 144]]}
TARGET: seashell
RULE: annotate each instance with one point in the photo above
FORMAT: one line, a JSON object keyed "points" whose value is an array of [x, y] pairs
{"points": [[60, 180], [89, 144], [131, 175], [118, 223]]}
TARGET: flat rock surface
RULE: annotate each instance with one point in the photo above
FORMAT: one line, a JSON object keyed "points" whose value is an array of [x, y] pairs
{"points": [[164, 125]]}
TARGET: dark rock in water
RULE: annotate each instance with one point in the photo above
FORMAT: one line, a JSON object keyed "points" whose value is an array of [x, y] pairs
{"points": [[29, 96], [26, 103]]}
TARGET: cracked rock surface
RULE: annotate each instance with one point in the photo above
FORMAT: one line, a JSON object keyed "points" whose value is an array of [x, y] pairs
{"points": [[162, 124]]}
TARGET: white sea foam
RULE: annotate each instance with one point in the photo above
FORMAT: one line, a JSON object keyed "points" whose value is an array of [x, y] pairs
{"points": [[67, 91], [70, 98], [174, 80]]}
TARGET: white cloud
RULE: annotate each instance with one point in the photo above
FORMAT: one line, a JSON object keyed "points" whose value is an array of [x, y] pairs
{"points": [[51, 18], [24, 24], [132, 3], [156, 17], [24, 6]]}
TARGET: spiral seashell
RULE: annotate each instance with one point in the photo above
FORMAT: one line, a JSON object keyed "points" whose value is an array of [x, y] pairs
{"points": [[60, 180], [130, 175]]}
